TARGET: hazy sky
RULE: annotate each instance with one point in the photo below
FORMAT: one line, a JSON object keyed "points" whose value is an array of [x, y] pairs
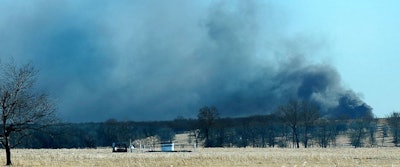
{"points": [[149, 60]]}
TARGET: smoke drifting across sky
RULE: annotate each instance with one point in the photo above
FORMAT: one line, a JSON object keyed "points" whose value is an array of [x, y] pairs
{"points": [[156, 60]]}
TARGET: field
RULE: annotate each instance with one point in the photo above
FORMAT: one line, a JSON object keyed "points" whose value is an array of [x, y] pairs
{"points": [[208, 157]]}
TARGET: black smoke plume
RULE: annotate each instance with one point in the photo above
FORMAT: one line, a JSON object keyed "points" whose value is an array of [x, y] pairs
{"points": [[156, 60]]}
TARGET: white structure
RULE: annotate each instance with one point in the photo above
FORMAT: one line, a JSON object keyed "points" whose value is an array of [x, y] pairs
{"points": [[167, 147]]}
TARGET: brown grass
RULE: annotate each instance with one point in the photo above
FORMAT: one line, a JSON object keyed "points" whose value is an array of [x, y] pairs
{"points": [[209, 157]]}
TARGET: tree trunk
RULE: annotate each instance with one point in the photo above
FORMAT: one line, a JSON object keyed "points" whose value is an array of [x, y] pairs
{"points": [[207, 142], [8, 154], [6, 137], [8, 150], [295, 137], [306, 137]]}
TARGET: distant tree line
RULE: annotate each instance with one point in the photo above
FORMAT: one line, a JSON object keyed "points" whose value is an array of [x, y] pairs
{"points": [[92, 135], [295, 124]]}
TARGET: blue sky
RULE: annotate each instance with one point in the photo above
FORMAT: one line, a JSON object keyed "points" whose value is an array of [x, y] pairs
{"points": [[363, 44]]}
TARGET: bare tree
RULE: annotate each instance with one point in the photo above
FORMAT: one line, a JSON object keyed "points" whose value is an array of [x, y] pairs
{"points": [[310, 115], [301, 117], [384, 131], [372, 128], [23, 108], [322, 133], [207, 119], [291, 114], [359, 131], [394, 124]]}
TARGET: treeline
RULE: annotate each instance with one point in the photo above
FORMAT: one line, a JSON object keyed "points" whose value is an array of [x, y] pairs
{"points": [[103, 134], [296, 124]]}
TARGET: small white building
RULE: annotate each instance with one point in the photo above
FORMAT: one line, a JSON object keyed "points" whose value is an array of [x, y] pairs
{"points": [[167, 147]]}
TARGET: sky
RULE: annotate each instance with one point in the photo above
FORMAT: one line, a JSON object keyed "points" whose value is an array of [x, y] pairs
{"points": [[363, 38], [157, 60]]}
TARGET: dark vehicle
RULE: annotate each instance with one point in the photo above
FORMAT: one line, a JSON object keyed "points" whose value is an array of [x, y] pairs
{"points": [[119, 147]]}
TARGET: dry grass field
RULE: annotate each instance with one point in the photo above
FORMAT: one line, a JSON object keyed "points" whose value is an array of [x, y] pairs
{"points": [[208, 157]]}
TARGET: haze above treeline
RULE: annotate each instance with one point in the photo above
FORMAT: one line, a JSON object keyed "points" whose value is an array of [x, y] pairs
{"points": [[157, 60]]}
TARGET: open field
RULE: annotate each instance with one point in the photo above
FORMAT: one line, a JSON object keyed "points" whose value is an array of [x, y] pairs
{"points": [[209, 157]]}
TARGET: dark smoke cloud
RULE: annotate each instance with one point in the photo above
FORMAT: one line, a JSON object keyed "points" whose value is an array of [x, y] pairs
{"points": [[156, 60]]}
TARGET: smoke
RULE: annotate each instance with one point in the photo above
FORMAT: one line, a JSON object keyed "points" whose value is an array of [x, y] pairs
{"points": [[156, 60]]}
